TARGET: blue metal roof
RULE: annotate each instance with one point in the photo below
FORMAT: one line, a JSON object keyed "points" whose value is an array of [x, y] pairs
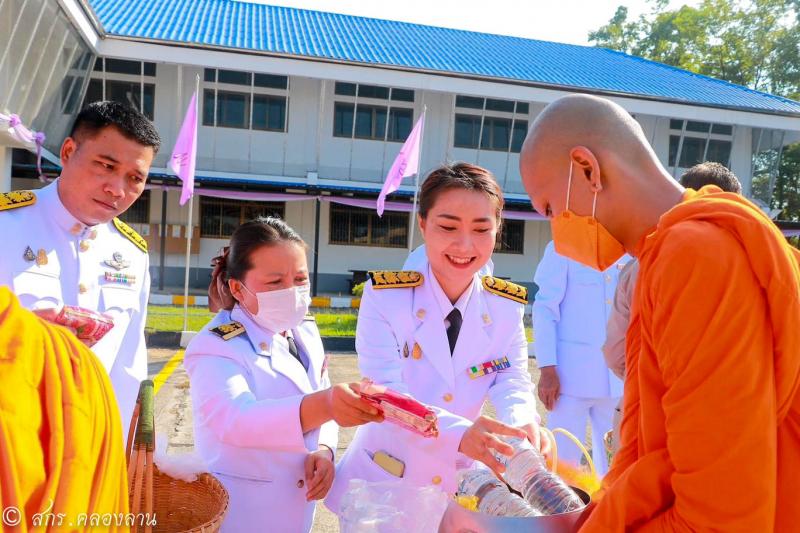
{"points": [[329, 36]]}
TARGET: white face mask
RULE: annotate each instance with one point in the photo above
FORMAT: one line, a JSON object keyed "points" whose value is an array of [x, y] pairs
{"points": [[281, 310]]}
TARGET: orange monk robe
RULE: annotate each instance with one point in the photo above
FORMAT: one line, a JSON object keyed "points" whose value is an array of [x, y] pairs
{"points": [[60, 433], [711, 428]]}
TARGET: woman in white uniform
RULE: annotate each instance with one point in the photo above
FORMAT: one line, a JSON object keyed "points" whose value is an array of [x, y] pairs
{"points": [[447, 336], [265, 414]]}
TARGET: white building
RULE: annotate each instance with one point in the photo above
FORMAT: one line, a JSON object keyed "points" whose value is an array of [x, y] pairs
{"points": [[279, 91]]}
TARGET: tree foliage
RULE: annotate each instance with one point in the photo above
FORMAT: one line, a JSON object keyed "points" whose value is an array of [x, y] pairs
{"points": [[754, 43]]}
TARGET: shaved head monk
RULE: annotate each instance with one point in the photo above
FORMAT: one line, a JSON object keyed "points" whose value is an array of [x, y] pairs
{"points": [[711, 427]]}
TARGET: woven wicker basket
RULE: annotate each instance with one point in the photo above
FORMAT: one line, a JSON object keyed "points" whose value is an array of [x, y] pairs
{"points": [[174, 505]]}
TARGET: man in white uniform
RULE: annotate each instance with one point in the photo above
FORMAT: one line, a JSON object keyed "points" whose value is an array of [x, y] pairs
{"points": [[570, 313], [63, 244]]}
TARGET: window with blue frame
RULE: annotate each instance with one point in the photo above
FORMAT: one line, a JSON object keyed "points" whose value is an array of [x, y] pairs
{"points": [[372, 112], [490, 123], [245, 100], [692, 142], [127, 82]]}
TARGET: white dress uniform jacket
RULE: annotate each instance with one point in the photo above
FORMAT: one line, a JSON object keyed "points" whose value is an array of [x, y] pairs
{"points": [[570, 313], [70, 267], [246, 395], [402, 343]]}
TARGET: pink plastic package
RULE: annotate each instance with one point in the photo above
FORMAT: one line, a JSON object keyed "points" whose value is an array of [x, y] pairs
{"points": [[400, 409], [89, 326]]}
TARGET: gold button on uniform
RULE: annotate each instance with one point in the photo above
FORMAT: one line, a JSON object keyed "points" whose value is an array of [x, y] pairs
{"points": [[84, 246], [486, 318], [448, 397], [93, 234], [608, 301], [82, 288], [437, 480], [420, 313], [263, 346], [416, 353]]}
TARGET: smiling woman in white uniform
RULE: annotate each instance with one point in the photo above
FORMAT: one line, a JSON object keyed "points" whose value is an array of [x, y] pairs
{"points": [[447, 336], [264, 412]]}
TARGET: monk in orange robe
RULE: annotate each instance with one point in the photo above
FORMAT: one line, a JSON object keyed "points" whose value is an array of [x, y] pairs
{"points": [[711, 428], [61, 453]]}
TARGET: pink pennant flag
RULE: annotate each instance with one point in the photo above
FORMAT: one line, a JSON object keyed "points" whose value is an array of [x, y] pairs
{"points": [[184, 154], [405, 164]]}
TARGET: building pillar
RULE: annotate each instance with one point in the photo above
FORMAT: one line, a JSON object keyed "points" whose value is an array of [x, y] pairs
{"points": [[5, 168]]}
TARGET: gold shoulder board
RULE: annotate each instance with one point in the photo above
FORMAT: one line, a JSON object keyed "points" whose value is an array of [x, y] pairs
{"points": [[131, 234], [229, 330], [506, 289], [15, 199], [395, 279]]}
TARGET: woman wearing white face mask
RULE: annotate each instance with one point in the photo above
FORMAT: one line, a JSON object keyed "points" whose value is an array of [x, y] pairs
{"points": [[265, 414]]}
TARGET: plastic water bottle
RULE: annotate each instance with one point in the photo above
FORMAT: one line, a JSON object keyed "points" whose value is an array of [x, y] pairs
{"points": [[527, 473], [494, 498]]}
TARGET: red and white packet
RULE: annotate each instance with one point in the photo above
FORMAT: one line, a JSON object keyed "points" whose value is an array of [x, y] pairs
{"points": [[401, 409], [89, 326]]}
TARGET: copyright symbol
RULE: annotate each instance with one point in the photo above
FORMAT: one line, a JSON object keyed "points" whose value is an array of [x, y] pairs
{"points": [[11, 516]]}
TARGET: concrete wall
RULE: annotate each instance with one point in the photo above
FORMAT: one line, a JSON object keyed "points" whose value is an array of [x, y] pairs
{"points": [[309, 146]]}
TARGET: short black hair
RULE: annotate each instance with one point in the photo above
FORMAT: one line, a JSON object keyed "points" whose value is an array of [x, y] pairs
{"points": [[129, 121], [710, 173]]}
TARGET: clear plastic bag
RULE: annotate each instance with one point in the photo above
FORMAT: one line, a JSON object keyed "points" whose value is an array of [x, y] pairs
{"points": [[391, 507]]}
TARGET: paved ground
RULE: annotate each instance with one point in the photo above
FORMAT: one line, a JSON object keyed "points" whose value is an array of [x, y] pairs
{"points": [[174, 415]]}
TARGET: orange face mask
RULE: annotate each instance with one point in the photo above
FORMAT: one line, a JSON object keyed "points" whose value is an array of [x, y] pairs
{"points": [[583, 238]]}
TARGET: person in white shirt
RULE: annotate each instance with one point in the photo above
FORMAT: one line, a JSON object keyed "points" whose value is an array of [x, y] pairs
{"points": [[64, 245], [265, 414], [450, 338], [570, 313]]}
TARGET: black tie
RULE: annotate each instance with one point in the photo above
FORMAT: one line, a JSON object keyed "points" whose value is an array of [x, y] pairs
{"points": [[294, 352], [452, 330]]}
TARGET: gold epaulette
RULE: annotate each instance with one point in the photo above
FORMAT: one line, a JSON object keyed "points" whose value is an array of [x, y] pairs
{"points": [[228, 331], [506, 289], [15, 199], [395, 279], [131, 234]]}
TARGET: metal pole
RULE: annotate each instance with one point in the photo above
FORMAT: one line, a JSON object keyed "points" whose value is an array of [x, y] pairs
{"points": [[385, 139], [451, 132], [510, 143], [680, 150], [753, 160], [480, 134], [315, 277], [163, 253], [773, 173], [708, 141], [416, 182], [186, 276], [352, 134], [10, 40], [189, 229]]}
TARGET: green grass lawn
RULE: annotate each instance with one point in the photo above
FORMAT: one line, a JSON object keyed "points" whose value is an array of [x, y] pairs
{"points": [[170, 318], [336, 325]]}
